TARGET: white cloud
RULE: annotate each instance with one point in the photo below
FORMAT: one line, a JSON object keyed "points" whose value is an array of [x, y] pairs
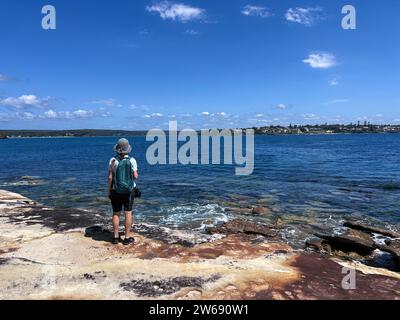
{"points": [[204, 114], [334, 82], [186, 115], [336, 101], [78, 114], [281, 106], [320, 60], [259, 115], [256, 11], [304, 16], [5, 78], [108, 103], [83, 114], [192, 32], [176, 11], [154, 115], [51, 114], [26, 115], [25, 101], [310, 116], [139, 108]]}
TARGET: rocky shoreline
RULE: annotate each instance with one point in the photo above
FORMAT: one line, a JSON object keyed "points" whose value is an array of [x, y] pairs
{"points": [[56, 253]]}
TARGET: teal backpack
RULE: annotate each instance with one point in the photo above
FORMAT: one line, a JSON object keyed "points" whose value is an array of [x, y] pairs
{"points": [[124, 180]]}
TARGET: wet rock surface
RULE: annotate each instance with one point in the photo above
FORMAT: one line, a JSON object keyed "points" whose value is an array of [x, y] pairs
{"points": [[350, 241], [45, 255], [361, 242], [246, 227], [370, 229], [392, 247], [163, 287]]}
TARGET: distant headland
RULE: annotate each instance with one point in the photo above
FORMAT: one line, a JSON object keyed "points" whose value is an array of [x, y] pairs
{"points": [[317, 129]]}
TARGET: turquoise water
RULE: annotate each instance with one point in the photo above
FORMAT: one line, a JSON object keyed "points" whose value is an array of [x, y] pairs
{"points": [[303, 179]]}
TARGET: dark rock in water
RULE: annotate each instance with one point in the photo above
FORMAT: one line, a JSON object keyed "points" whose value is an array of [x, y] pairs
{"points": [[363, 227], [392, 247], [242, 226], [381, 259], [350, 241], [238, 210], [162, 287], [260, 210]]}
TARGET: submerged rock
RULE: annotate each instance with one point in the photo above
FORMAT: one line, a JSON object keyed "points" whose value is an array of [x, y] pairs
{"points": [[358, 241], [243, 226], [239, 210], [392, 247], [370, 229], [350, 241], [261, 210]]}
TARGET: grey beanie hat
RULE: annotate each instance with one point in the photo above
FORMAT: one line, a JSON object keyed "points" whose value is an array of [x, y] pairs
{"points": [[123, 147]]}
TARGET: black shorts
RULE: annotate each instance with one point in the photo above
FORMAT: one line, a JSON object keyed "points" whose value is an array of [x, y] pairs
{"points": [[119, 201]]}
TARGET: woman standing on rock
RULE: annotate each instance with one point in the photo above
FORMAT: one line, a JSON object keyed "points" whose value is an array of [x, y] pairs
{"points": [[122, 173]]}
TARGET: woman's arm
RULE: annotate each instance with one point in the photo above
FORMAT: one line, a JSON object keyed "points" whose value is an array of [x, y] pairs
{"points": [[110, 179]]}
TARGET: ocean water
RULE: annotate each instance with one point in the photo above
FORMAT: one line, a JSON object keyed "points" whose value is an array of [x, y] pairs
{"points": [[307, 181]]}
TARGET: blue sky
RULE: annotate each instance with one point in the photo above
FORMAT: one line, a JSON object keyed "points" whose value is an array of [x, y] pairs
{"points": [[136, 64]]}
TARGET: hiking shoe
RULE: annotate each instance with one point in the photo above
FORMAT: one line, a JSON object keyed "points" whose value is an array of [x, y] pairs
{"points": [[128, 241], [116, 240]]}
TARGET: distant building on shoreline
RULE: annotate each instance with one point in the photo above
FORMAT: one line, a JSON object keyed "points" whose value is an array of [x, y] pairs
{"points": [[328, 129]]}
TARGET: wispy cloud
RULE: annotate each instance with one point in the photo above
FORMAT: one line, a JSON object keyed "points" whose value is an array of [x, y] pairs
{"points": [[154, 115], [336, 101], [334, 82], [304, 16], [143, 108], [78, 114], [176, 11], [256, 11], [192, 32], [5, 78], [107, 103], [25, 101], [25, 115], [281, 106], [321, 60], [310, 116]]}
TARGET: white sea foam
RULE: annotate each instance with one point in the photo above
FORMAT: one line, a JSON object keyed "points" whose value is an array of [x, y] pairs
{"points": [[181, 215], [380, 239]]}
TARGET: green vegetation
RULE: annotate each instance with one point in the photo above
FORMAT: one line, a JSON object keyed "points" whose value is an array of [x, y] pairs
{"points": [[68, 133]]}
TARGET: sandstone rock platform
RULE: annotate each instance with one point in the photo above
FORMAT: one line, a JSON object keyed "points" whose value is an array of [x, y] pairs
{"points": [[57, 253]]}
